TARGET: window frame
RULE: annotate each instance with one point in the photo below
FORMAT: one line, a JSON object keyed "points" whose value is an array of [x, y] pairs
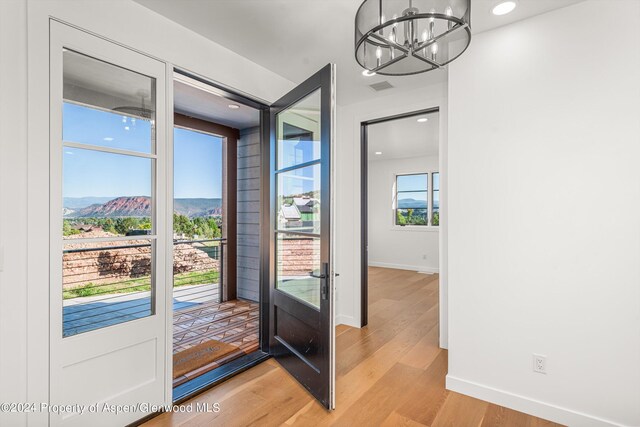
{"points": [[432, 194], [415, 227]]}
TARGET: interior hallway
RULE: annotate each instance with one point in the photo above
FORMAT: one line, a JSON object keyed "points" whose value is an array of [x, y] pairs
{"points": [[390, 373]]}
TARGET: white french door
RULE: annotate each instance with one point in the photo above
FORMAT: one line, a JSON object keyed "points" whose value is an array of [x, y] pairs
{"points": [[108, 230]]}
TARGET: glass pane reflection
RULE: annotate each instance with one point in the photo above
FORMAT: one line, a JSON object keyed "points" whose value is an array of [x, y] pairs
{"points": [[299, 200], [298, 258]]}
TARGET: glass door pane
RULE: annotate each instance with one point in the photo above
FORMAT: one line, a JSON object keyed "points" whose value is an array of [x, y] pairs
{"points": [[108, 166], [298, 200], [299, 132]]}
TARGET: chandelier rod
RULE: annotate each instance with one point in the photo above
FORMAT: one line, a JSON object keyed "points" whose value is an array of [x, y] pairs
{"points": [[433, 40]]}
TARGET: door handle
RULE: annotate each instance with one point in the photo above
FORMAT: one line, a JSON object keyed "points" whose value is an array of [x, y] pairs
{"points": [[324, 284], [317, 276]]}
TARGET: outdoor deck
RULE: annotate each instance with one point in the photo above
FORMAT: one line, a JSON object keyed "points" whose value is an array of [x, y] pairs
{"points": [[203, 320], [231, 328]]}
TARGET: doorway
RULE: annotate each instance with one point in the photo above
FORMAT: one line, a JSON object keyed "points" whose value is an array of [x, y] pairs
{"points": [[216, 242], [400, 189], [165, 239]]}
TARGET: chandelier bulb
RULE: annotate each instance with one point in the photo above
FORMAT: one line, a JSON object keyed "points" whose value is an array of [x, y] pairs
{"points": [[449, 12]]}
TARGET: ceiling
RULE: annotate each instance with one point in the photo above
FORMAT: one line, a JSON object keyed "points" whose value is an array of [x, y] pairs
{"points": [[103, 85], [199, 100], [403, 138], [295, 38]]}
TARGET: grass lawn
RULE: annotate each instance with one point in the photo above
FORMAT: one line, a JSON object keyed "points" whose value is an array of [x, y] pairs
{"points": [[140, 284]]}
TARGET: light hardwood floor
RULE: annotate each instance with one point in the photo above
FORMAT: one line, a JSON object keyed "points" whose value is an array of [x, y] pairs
{"points": [[390, 373]]}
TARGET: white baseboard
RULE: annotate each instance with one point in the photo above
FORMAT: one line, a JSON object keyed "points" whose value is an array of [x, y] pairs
{"points": [[347, 320], [419, 268], [524, 404]]}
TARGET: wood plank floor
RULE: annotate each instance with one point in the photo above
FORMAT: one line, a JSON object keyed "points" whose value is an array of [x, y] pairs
{"points": [[390, 373]]}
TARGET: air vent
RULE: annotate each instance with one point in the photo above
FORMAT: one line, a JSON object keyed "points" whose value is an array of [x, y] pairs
{"points": [[381, 86]]}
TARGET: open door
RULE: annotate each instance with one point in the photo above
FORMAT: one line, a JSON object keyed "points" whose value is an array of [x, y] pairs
{"points": [[301, 332]]}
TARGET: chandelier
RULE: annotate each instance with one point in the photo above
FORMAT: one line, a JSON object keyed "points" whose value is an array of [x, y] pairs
{"points": [[403, 37]]}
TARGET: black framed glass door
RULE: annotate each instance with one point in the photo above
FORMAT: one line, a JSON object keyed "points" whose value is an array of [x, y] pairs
{"points": [[301, 332]]}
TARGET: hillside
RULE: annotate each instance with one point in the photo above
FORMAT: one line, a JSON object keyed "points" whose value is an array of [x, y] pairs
{"points": [[76, 203], [412, 203], [140, 206], [122, 206], [198, 207]]}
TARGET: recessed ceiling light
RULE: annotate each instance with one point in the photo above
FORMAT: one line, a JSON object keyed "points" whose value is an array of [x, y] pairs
{"points": [[234, 106], [368, 73], [423, 120], [503, 8], [378, 153]]}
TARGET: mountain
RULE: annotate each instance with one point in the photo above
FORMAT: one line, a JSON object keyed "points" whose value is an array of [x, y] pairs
{"points": [[140, 206], [75, 203], [198, 207], [412, 203]]}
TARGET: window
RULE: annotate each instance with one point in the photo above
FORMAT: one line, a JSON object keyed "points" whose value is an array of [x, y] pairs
{"points": [[418, 199], [435, 197], [412, 199]]}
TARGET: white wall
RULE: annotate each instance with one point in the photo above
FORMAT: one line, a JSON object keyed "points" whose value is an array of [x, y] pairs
{"points": [[544, 214], [347, 193], [24, 157], [13, 225], [392, 246]]}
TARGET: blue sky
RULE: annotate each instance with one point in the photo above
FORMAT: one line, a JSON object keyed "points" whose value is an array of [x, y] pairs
{"points": [[412, 182], [412, 191], [197, 163], [197, 157]]}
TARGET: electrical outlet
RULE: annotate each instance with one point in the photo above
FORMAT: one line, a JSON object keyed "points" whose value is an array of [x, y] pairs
{"points": [[539, 363]]}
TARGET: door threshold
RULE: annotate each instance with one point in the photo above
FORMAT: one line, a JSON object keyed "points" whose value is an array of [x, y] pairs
{"points": [[212, 378]]}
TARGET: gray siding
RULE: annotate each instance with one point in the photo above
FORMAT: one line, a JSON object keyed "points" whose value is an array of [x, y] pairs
{"points": [[249, 214]]}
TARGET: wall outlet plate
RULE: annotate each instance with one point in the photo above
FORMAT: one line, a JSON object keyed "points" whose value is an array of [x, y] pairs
{"points": [[539, 363]]}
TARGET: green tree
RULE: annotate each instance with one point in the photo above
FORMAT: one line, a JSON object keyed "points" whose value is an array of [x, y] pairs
{"points": [[410, 216], [122, 225], [145, 224], [216, 232], [108, 225], [183, 225], [67, 229]]}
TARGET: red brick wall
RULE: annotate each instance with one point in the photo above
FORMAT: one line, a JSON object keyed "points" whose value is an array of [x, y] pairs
{"points": [[299, 256]]}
